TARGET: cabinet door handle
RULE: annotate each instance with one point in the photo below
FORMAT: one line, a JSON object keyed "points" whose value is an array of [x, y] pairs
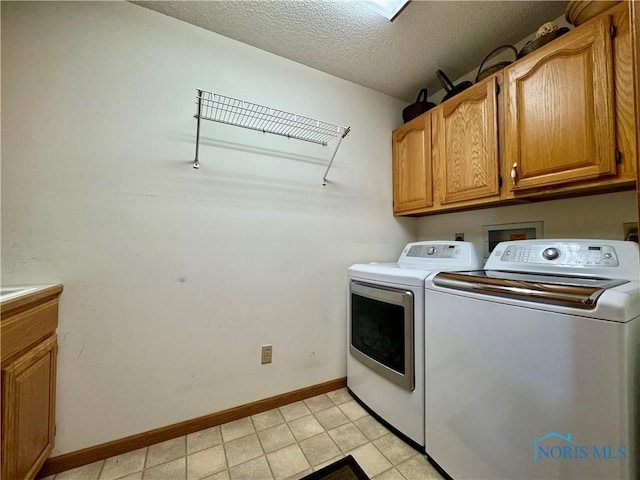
{"points": [[514, 173]]}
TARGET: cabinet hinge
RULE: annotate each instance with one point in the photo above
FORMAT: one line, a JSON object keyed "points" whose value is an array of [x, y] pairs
{"points": [[612, 31], [499, 180], [618, 157]]}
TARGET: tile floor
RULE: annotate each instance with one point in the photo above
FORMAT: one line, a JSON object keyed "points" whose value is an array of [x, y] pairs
{"points": [[284, 443]]}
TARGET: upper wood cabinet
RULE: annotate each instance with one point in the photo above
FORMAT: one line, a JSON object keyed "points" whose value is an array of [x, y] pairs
{"points": [[412, 190], [449, 158], [564, 125], [634, 14], [560, 119], [465, 146]]}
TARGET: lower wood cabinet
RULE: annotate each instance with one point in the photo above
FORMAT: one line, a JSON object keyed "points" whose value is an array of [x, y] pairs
{"points": [[28, 386], [29, 353]]}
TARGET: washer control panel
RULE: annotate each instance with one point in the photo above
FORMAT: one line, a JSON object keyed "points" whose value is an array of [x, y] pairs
{"points": [[561, 254]]}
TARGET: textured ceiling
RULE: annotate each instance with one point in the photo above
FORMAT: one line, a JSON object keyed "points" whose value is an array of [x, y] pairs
{"points": [[346, 39]]}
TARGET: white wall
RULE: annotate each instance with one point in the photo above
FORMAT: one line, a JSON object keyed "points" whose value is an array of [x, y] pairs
{"points": [[596, 216], [174, 277]]}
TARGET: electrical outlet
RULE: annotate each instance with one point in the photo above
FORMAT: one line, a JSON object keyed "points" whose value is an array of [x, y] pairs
{"points": [[267, 354], [459, 237]]}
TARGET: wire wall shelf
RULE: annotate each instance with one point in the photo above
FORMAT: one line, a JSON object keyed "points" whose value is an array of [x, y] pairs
{"points": [[231, 111]]}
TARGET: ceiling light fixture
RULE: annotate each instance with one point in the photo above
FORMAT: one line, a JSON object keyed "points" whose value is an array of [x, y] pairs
{"points": [[387, 8]]}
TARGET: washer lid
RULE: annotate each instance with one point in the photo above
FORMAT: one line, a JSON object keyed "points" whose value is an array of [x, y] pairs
{"points": [[564, 290]]}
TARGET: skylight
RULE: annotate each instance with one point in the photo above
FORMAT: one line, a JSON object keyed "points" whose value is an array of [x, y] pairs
{"points": [[387, 8]]}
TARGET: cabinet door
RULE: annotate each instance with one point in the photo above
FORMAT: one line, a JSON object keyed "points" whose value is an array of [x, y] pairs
{"points": [[28, 405], [634, 15], [465, 145], [412, 188], [560, 114]]}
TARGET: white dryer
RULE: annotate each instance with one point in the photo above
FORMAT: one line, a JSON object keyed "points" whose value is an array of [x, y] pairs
{"points": [[532, 364], [385, 357]]}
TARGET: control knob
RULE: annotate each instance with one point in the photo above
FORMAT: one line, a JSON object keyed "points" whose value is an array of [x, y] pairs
{"points": [[551, 253], [431, 250]]}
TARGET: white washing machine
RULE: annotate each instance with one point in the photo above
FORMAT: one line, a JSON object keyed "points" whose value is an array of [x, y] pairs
{"points": [[532, 363], [385, 357]]}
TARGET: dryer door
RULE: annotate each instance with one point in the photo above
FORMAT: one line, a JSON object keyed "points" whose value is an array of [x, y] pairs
{"points": [[381, 331]]}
